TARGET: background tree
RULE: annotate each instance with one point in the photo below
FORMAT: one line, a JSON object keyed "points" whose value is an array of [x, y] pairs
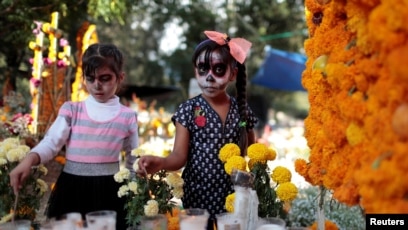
{"points": [[139, 27]]}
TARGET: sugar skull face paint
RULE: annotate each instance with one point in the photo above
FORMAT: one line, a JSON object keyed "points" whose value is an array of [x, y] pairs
{"points": [[213, 73], [218, 69]]}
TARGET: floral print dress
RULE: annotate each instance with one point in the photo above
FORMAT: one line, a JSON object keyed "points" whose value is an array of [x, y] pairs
{"points": [[206, 184]]}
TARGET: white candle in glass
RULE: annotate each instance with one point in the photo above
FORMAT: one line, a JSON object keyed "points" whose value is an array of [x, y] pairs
{"points": [[193, 218]]}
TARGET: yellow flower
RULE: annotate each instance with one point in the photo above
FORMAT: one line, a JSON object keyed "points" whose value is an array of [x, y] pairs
{"points": [[122, 175], [16, 155], [235, 162], [229, 202], [174, 180], [2, 161], [252, 162], [138, 152], [42, 186], [43, 169], [271, 154], [178, 192], [151, 208], [281, 175], [229, 150], [258, 152], [286, 191]]}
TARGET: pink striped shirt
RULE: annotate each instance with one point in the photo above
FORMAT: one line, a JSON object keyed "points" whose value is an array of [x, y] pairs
{"points": [[92, 141]]}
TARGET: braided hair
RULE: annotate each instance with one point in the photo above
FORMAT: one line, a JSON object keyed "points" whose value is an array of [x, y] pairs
{"points": [[208, 46]]}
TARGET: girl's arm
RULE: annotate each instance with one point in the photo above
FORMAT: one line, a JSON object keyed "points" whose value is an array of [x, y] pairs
{"points": [[176, 160], [251, 137], [53, 141]]}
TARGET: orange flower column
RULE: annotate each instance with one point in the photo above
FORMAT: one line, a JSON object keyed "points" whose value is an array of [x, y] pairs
{"points": [[357, 81]]}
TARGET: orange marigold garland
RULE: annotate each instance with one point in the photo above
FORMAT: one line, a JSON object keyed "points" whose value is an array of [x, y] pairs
{"points": [[358, 86]]}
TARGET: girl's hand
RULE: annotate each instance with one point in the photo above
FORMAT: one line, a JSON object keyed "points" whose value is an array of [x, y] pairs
{"points": [[150, 165], [20, 173]]}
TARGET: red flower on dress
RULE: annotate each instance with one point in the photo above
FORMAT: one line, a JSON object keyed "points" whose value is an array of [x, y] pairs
{"points": [[199, 117]]}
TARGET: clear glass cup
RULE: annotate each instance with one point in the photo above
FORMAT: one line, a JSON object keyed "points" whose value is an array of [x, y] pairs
{"points": [[75, 218], [297, 228], [157, 222], [101, 220], [193, 218], [229, 221], [16, 225]]}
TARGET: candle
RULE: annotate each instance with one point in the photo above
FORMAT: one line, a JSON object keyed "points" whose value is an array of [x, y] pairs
{"points": [[193, 218], [270, 227], [229, 221]]}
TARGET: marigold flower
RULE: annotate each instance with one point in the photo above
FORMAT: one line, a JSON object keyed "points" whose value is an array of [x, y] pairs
{"points": [[122, 175], [235, 162], [174, 180], [229, 150], [271, 154], [178, 192], [42, 186], [2, 162], [281, 175], [229, 202], [354, 134], [151, 208], [123, 191], [133, 187], [258, 152], [286, 191], [252, 162], [15, 155], [43, 169]]}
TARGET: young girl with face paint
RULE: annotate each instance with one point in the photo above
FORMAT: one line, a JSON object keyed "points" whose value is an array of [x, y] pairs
{"points": [[207, 122], [94, 132]]}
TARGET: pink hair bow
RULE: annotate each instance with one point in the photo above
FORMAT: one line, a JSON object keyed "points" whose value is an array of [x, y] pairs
{"points": [[239, 47]]}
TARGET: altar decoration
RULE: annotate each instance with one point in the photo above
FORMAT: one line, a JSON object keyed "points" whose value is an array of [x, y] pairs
{"points": [[151, 195], [34, 188], [273, 187], [357, 84]]}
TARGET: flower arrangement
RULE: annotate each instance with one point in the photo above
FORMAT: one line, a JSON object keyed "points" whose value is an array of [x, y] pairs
{"points": [[357, 124], [11, 153], [150, 195], [273, 188]]}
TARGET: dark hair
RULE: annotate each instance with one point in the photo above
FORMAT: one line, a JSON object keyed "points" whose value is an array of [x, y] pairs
{"points": [[208, 46], [98, 55]]}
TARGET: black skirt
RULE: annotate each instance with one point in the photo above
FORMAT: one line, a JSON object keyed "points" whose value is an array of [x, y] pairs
{"points": [[83, 194]]}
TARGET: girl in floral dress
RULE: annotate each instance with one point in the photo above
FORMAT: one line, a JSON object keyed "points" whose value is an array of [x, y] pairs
{"points": [[207, 122], [94, 132]]}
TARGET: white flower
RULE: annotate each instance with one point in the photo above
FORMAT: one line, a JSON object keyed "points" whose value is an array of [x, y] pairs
{"points": [[151, 208], [123, 191], [122, 175], [133, 187]]}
